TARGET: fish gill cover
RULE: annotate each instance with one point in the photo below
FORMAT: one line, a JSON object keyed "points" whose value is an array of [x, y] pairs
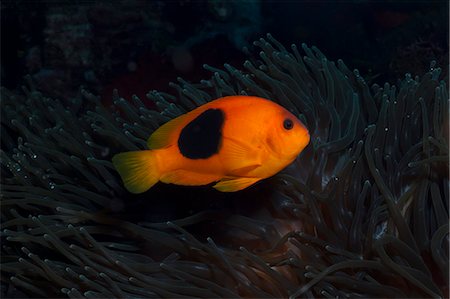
{"points": [[363, 212]]}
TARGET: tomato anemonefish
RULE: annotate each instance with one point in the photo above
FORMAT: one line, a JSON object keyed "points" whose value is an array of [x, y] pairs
{"points": [[235, 140]]}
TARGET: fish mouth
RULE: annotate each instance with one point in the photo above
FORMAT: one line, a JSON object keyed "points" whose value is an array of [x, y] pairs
{"points": [[306, 137]]}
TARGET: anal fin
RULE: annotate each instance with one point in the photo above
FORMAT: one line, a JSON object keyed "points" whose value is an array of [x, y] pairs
{"points": [[234, 184]]}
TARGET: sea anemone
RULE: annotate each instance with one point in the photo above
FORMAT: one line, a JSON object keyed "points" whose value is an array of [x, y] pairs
{"points": [[363, 212]]}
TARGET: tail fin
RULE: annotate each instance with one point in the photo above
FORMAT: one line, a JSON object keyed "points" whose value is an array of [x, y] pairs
{"points": [[138, 170]]}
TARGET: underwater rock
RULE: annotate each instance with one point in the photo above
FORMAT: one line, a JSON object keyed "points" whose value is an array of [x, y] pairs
{"points": [[363, 212]]}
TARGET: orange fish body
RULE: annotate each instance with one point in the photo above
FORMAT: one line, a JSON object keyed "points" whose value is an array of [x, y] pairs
{"points": [[235, 141]]}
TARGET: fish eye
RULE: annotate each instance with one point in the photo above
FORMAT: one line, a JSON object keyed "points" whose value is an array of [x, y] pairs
{"points": [[288, 124]]}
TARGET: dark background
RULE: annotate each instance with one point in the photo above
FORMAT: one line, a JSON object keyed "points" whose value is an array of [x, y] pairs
{"points": [[137, 46]]}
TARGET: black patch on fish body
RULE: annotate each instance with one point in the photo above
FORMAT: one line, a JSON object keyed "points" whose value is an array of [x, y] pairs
{"points": [[201, 138]]}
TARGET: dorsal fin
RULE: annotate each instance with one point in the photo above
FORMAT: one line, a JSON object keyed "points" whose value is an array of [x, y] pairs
{"points": [[168, 133], [165, 134]]}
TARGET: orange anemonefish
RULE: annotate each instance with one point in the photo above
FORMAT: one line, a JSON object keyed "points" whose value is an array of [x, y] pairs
{"points": [[235, 140]]}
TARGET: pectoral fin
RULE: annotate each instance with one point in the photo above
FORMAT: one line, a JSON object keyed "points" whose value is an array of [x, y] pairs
{"points": [[240, 157], [188, 178], [234, 184], [245, 170]]}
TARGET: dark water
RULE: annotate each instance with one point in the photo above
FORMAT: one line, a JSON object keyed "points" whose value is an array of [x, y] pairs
{"points": [[142, 45]]}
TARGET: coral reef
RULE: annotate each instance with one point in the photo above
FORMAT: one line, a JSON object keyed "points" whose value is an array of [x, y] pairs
{"points": [[363, 212]]}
